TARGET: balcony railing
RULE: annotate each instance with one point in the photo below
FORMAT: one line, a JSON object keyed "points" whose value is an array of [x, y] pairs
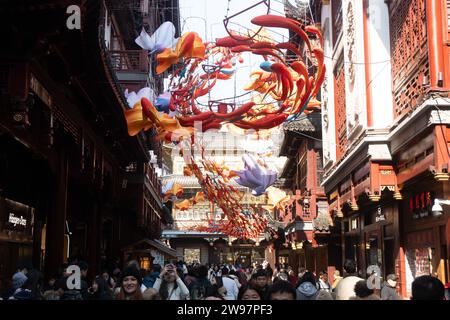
{"points": [[129, 60]]}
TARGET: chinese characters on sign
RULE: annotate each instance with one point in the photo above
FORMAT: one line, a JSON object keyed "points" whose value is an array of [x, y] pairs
{"points": [[420, 205]]}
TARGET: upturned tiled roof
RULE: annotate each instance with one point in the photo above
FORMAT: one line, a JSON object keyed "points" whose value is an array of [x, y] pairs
{"points": [[191, 181], [305, 123]]}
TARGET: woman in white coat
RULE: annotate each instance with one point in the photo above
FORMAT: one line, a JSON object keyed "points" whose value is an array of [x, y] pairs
{"points": [[170, 286]]}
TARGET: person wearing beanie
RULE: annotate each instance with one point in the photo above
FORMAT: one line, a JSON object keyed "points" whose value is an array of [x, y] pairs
{"points": [[307, 289], [389, 291], [130, 288]]}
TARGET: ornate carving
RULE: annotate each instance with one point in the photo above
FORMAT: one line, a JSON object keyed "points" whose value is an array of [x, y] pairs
{"points": [[409, 53], [350, 36], [341, 115]]}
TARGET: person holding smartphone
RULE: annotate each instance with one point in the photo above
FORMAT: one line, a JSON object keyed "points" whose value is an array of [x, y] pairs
{"points": [[170, 286]]}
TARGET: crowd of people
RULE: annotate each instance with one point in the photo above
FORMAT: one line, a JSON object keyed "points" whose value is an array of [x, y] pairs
{"points": [[178, 281]]}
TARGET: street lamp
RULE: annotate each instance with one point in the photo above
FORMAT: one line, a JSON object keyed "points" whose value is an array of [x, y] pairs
{"points": [[437, 208]]}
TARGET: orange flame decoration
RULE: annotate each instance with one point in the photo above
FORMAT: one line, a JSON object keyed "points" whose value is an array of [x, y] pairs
{"points": [[289, 84], [176, 191], [237, 221], [286, 81]]}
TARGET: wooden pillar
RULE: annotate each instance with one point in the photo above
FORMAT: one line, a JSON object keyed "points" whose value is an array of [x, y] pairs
{"points": [[56, 223], [435, 40], [446, 195], [441, 151], [94, 236], [380, 237], [438, 261], [311, 183], [37, 239], [402, 272], [400, 267], [362, 266], [368, 71], [375, 181]]}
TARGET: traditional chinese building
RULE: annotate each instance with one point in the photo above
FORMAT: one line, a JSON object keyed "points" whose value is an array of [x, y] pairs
{"points": [[72, 182], [385, 115], [191, 245], [311, 237]]}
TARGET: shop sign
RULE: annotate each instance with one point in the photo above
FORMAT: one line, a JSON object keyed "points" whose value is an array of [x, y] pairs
{"points": [[380, 215], [420, 205], [17, 221], [16, 216]]}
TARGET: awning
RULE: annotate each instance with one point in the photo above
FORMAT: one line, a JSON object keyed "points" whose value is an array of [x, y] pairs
{"points": [[160, 246], [167, 234]]}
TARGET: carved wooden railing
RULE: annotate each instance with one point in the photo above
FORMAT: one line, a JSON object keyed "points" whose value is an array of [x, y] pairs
{"points": [[129, 60]]}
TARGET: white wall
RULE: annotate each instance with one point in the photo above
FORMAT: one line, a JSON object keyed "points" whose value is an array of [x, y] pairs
{"points": [[353, 29], [380, 54], [328, 117]]}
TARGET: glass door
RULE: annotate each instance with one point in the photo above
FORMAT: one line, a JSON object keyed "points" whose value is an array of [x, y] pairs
{"points": [[373, 250]]}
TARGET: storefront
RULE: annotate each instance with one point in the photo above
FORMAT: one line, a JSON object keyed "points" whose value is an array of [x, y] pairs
{"points": [[149, 252], [370, 238], [16, 237], [351, 239], [381, 239], [425, 242]]}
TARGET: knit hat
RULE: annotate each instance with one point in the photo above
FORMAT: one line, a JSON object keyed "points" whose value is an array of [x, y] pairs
{"points": [[18, 280], [306, 289], [392, 280], [132, 271]]}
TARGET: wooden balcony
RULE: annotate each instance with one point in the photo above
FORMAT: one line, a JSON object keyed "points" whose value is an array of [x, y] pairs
{"points": [[129, 60], [131, 68]]}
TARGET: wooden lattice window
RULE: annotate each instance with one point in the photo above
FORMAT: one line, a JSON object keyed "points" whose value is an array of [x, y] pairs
{"points": [[341, 111], [409, 54], [302, 167]]}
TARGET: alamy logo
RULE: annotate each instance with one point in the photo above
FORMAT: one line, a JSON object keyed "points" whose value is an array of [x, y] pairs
{"points": [[74, 20], [74, 280], [374, 279]]}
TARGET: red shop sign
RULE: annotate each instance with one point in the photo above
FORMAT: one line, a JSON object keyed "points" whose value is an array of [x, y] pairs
{"points": [[420, 204]]}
